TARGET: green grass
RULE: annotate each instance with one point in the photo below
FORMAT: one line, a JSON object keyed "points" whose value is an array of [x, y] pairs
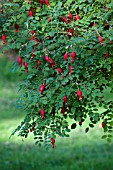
{"points": [[79, 152]]}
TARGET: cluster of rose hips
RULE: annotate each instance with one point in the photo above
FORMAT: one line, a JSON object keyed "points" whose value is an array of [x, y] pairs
{"points": [[31, 11], [50, 60], [70, 16], [25, 63]]}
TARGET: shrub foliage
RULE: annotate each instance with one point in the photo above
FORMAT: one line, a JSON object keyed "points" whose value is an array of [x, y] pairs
{"points": [[65, 50]]}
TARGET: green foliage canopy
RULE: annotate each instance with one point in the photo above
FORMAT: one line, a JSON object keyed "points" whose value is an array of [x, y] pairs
{"points": [[43, 34]]}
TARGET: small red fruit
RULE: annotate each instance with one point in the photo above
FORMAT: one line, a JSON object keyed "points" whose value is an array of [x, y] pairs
{"points": [[30, 13], [38, 64], [70, 69], [77, 17], [32, 55], [16, 27], [41, 2], [64, 19], [32, 38], [26, 69], [71, 31], [70, 16], [32, 32], [42, 112], [49, 20], [107, 55], [32, 129], [73, 55], [25, 64], [63, 111], [42, 88], [20, 61], [80, 123], [103, 124], [60, 70], [65, 56], [4, 38], [37, 41], [79, 93], [47, 3], [100, 39], [107, 8], [46, 57], [53, 142], [49, 60], [63, 77], [65, 99]]}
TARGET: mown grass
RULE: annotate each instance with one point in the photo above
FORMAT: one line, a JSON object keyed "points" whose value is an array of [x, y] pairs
{"points": [[79, 152]]}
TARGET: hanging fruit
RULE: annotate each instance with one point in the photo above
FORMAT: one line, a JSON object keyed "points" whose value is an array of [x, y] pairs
{"points": [[77, 17], [42, 88], [70, 16], [79, 93], [30, 13], [20, 61], [16, 27], [65, 99], [47, 3], [65, 56], [53, 142], [4, 38], [42, 112], [73, 55]]}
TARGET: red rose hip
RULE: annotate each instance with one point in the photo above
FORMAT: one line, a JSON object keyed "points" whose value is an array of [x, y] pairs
{"points": [[73, 55], [65, 56], [65, 99], [103, 124], [30, 13], [42, 88], [4, 38], [64, 19], [60, 70], [70, 16], [47, 3], [107, 55], [79, 93], [25, 64], [100, 39], [42, 112], [77, 17], [53, 142], [71, 69], [16, 27], [20, 61]]}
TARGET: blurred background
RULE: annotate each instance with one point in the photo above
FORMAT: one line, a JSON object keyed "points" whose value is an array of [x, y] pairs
{"points": [[82, 151]]}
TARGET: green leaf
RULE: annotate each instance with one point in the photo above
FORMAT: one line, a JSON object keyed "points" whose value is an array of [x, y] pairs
{"points": [[111, 123], [91, 125], [104, 136], [87, 129], [73, 126], [51, 34]]}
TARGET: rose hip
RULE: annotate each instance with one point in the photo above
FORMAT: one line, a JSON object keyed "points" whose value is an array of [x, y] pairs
{"points": [[79, 93]]}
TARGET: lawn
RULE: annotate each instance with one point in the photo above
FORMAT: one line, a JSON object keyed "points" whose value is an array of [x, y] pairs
{"points": [[79, 152]]}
